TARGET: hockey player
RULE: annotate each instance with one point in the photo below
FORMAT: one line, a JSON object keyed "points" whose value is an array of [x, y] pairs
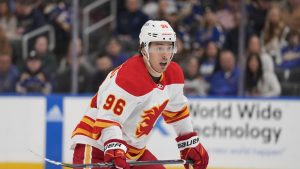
{"points": [[122, 114]]}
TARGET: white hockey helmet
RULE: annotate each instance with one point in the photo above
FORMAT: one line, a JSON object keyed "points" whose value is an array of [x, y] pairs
{"points": [[155, 31]]}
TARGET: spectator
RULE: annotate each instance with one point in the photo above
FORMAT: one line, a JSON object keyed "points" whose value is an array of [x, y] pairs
{"points": [[59, 15], [226, 16], [182, 53], [292, 14], [49, 62], [274, 33], [34, 79], [259, 82], [65, 63], [192, 12], [8, 21], [291, 52], [160, 10], [224, 81], [104, 65], [167, 7], [254, 47], [194, 83], [9, 73], [150, 9], [85, 70], [184, 35], [232, 36], [114, 50], [5, 46], [130, 22], [209, 60], [28, 17], [210, 30], [257, 12]]}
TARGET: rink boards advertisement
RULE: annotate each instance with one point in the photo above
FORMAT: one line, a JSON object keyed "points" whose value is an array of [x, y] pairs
{"points": [[237, 133]]}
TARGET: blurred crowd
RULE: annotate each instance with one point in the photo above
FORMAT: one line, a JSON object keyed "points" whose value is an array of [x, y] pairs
{"points": [[207, 40]]}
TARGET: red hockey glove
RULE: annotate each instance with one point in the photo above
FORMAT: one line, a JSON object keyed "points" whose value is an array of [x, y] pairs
{"points": [[191, 149], [114, 151]]}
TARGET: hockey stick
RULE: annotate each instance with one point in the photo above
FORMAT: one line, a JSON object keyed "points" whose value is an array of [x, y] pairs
{"points": [[101, 165]]}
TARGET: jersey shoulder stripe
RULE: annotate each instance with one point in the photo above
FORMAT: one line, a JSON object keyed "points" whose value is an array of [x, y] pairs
{"points": [[133, 77], [173, 74]]}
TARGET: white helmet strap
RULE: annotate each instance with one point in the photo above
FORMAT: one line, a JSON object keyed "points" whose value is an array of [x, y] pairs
{"points": [[146, 47]]}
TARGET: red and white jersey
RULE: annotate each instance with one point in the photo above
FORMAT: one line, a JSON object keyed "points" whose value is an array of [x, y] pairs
{"points": [[128, 104]]}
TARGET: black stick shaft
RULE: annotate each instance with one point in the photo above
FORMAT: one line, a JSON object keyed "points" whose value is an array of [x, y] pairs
{"points": [[131, 163], [104, 164]]}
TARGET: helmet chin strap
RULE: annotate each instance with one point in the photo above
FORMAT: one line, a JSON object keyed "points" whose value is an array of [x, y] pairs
{"points": [[148, 60], [150, 66]]}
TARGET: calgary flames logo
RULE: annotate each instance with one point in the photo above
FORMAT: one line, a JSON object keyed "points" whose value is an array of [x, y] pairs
{"points": [[149, 118]]}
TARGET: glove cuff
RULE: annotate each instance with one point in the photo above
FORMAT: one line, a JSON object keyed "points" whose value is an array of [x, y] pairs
{"points": [[189, 140], [186, 136], [113, 144]]}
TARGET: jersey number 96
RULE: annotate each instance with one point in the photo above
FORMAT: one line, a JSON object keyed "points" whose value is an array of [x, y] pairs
{"points": [[116, 105]]}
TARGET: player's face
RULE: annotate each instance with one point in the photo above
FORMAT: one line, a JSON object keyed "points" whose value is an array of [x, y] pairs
{"points": [[160, 55]]}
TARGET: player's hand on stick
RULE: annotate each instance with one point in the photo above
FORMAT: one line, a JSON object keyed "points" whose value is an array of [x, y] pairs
{"points": [[114, 151], [191, 149]]}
